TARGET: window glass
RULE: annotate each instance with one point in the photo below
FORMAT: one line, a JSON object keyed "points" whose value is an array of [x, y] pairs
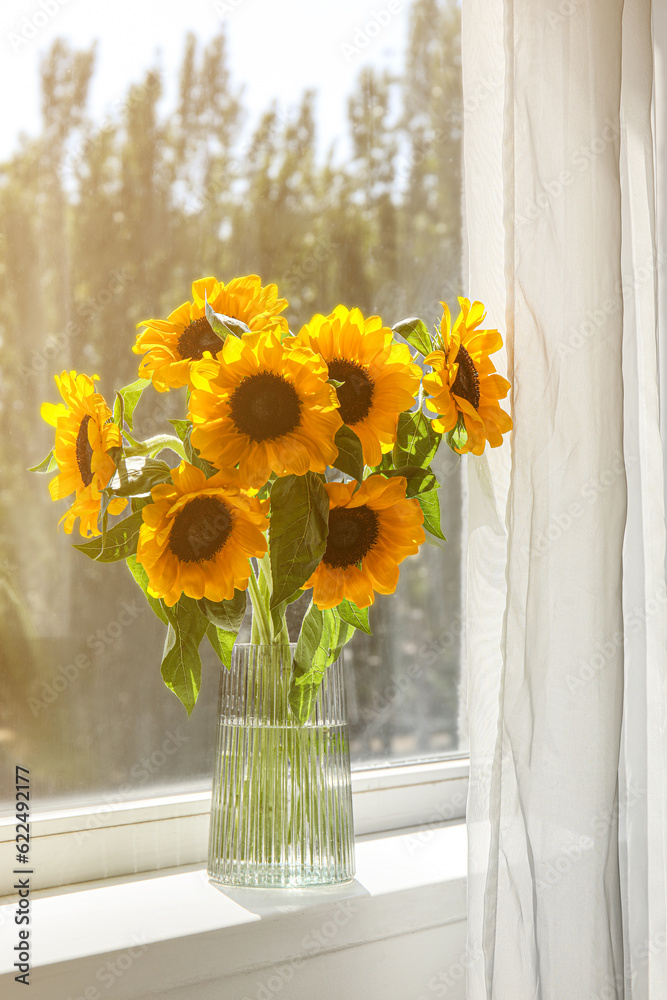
{"points": [[140, 152]]}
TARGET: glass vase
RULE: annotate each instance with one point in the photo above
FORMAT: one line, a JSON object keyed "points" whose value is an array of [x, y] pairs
{"points": [[281, 810]]}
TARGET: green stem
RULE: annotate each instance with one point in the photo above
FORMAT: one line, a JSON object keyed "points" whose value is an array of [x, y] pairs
{"points": [[154, 445], [260, 616], [280, 638]]}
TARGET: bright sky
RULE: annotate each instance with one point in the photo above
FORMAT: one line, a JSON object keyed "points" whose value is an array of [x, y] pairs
{"points": [[277, 48]]}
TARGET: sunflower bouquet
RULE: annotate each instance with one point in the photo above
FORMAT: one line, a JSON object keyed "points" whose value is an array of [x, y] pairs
{"points": [[305, 464]]}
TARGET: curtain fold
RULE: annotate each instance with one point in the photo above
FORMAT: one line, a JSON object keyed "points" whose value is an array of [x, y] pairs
{"points": [[566, 597]]}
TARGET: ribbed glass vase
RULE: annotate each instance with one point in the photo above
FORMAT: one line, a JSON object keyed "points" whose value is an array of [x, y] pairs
{"points": [[281, 811]]}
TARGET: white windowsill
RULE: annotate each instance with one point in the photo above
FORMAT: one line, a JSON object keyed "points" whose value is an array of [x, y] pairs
{"points": [[133, 937]]}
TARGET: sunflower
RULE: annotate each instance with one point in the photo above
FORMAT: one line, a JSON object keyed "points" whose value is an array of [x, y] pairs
{"points": [[378, 376], [84, 437], [173, 344], [199, 534], [370, 533], [464, 383], [265, 405]]}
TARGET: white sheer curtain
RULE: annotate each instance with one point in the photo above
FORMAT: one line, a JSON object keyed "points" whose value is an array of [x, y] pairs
{"points": [[567, 812]]}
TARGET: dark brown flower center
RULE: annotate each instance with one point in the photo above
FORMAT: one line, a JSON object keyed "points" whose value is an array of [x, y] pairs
{"points": [[265, 406], [466, 383], [84, 452], [197, 338], [356, 393], [353, 531], [201, 529]]}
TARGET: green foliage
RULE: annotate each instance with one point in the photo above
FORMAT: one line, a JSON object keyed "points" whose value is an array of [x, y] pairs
{"points": [[117, 543], [417, 442], [222, 642], [224, 325], [458, 436], [430, 505], [227, 615], [225, 619], [323, 635], [47, 464], [194, 457], [181, 664], [297, 533], [416, 333], [350, 459], [418, 480], [141, 578], [310, 662], [137, 476], [126, 402], [357, 617]]}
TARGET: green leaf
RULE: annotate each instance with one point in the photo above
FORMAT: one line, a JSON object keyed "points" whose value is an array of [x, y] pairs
{"points": [[418, 480], [458, 437], [277, 613], [335, 383], [120, 542], [385, 464], [222, 642], [323, 635], [130, 395], [266, 488], [47, 465], [138, 503], [137, 476], [350, 458], [118, 409], [297, 533], [340, 633], [193, 456], [141, 577], [416, 333], [358, 617], [309, 664], [224, 621], [224, 325], [226, 615], [430, 505], [181, 664], [181, 427], [416, 442]]}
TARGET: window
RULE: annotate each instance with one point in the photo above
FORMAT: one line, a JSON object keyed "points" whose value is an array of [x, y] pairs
{"points": [[335, 173]]}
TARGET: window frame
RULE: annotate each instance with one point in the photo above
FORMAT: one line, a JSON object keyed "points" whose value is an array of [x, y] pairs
{"points": [[86, 843]]}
